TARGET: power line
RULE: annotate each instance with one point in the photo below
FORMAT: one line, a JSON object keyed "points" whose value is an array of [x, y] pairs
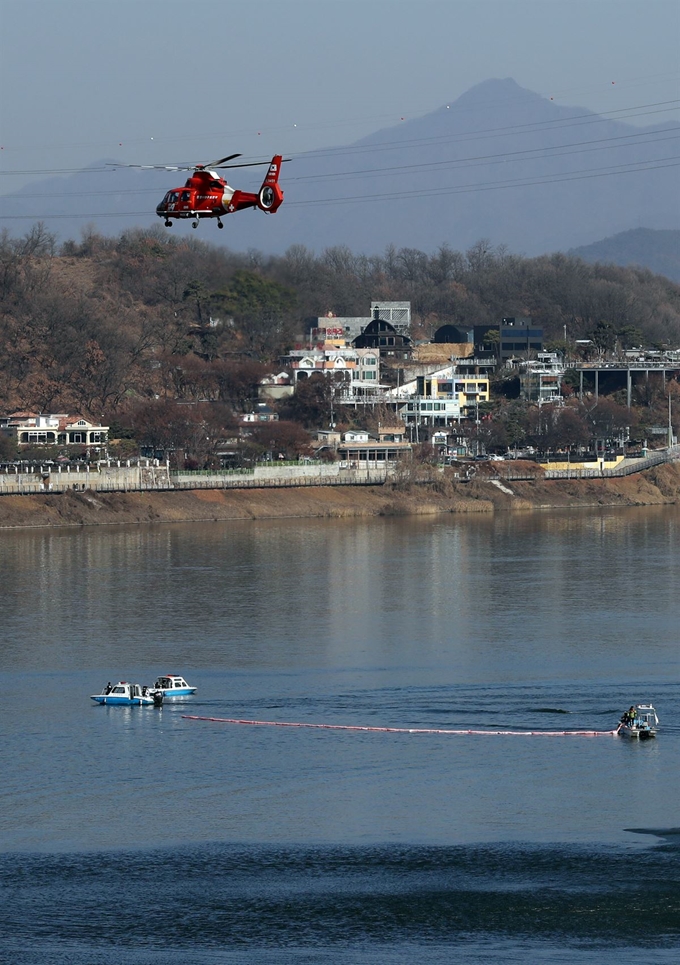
{"points": [[525, 155], [496, 185], [528, 128], [481, 188], [582, 147], [493, 132], [413, 113]]}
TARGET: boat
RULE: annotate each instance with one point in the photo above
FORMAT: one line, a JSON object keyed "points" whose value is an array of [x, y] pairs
{"points": [[124, 694], [171, 685], [640, 722]]}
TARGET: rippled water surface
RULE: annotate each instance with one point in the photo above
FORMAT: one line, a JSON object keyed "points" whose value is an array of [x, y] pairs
{"points": [[134, 835]]}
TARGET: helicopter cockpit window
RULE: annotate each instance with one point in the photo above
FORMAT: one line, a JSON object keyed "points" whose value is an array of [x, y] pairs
{"points": [[171, 197], [186, 196]]}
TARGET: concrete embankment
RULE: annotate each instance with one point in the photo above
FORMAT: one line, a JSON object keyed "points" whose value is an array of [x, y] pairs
{"points": [[441, 494]]}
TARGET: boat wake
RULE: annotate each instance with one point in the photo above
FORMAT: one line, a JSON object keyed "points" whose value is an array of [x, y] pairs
{"points": [[672, 835]]}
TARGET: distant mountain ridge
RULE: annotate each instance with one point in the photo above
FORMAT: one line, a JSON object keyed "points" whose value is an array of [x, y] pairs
{"points": [[642, 247], [500, 163]]}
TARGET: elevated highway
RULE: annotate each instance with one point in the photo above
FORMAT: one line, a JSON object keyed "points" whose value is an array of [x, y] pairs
{"points": [[624, 373]]}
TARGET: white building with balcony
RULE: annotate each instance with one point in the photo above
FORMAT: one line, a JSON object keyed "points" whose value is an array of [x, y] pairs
{"points": [[433, 412], [540, 379], [31, 429], [355, 372], [465, 391]]}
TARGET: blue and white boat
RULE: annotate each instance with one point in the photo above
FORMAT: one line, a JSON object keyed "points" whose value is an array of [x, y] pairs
{"points": [[124, 694], [170, 685]]}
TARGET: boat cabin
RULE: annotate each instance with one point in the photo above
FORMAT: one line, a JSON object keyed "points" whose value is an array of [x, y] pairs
{"points": [[646, 716], [170, 683], [124, 689]]}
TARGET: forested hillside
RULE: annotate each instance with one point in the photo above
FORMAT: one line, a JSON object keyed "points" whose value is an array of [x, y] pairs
{"points": [[104, 325]]}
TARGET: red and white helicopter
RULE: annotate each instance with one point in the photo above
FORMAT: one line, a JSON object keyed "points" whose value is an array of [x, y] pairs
{"points": [[207, 195]]}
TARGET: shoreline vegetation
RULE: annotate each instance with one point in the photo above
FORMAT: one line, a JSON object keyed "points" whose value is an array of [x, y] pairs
{"points": [[429, 495]]}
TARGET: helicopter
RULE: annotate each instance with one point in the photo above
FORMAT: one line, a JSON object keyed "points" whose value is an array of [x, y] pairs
{"points": [[207, 195]]}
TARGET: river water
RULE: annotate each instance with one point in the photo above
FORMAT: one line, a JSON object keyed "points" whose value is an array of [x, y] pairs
{"points": [[135, 835]]}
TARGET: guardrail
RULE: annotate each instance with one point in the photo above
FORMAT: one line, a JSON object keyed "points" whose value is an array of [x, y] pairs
{"points": [[517, 476], [623, 469]]}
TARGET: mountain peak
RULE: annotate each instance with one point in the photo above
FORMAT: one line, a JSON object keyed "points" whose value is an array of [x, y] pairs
{"points": [[494, 90], [493, 85]]}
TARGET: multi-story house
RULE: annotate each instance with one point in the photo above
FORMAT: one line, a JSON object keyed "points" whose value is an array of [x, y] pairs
{"points": [[456, 395], [31, 429], [540, 380], [347, 328], [355, 372]]}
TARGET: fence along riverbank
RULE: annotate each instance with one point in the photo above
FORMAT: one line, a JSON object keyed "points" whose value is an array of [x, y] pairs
{"points": [[151, 475]]}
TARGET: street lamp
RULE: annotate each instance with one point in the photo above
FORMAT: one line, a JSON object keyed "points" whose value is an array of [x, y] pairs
{"points": [[670, 424]]}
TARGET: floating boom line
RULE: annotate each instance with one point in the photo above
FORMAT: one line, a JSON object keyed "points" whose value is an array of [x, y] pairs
{"points": [[406, 730]]}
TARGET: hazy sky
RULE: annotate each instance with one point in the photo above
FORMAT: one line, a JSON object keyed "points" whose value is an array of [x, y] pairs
{"points": [[161, 81]]}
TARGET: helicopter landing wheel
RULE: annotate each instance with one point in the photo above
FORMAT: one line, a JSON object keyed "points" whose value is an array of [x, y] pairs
{"points": [[194, 224], [168, 224], [220, 225]]}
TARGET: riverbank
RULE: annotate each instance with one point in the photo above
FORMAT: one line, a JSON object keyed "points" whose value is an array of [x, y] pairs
{"points": [[485, 493]]}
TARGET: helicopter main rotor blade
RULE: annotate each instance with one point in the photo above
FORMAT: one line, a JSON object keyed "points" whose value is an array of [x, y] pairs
{"points": [[150, 167], [213, 165], [217, 164], [176, 167], [251, 164]]}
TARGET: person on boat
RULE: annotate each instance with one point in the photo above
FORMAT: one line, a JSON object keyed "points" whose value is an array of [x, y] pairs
{"points": [[629, 716], [108, 688]]}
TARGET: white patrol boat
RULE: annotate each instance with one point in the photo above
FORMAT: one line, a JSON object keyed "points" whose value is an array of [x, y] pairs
{"points": [[170, 685], [639, 722], [124, 694]]}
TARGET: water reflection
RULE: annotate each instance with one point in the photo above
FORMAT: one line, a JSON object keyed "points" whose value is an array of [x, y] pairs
{"points": [[434, 591]]}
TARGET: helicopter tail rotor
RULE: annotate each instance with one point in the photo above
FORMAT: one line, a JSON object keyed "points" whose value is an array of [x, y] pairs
{"points": [[270, 195]]}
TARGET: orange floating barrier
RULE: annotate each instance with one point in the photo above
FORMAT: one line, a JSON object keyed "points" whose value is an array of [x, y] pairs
{"points": [[405, 730]]}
